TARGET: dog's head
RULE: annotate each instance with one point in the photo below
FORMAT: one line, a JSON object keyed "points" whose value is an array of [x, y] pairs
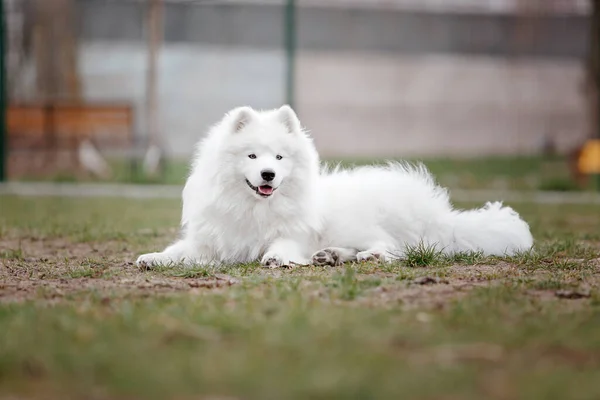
{"points": [[268, 149]]}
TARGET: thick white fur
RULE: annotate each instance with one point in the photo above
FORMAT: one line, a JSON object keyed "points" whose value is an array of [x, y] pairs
{"points": [[335, 216]]}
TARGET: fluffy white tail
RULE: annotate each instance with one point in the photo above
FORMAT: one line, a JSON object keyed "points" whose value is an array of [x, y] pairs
{"points": [[492, 229]]}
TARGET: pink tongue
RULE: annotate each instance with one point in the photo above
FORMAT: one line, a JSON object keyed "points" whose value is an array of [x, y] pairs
{"points": [[265, 189]]}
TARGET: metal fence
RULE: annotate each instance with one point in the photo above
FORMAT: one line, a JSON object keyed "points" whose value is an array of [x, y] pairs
{"points": [[371, 79]]}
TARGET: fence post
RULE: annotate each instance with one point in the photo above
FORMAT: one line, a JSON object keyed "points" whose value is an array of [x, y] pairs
{"points": [[595, 73], [3, 138], [290, 50]]}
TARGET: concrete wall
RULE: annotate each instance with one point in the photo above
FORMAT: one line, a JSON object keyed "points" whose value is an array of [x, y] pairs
{"points": [[370, 82], [197, 85], [361, 104]]}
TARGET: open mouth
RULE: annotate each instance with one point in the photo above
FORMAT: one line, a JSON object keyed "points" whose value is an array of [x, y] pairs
{"points": [[263, 190]]}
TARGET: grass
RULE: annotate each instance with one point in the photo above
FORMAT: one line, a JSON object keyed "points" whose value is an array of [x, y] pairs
{"points": [[422, 255], [79, 320], [499, 172]]}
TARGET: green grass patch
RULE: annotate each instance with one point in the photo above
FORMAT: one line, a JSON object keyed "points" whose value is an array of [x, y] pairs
{"points": [[494, 172], [79, 320], [422, 255], [11, 254]]}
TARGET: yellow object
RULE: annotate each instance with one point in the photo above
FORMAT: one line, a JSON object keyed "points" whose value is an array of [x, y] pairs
{"points": [[589, 159]]}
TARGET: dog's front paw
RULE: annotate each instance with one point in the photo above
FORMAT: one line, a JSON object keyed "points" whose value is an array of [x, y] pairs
{"points": [[273, 260], [147, 261]]}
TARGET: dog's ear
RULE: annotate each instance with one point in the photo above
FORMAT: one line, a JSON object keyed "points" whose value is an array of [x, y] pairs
{"points": [[241, 117], [289, 118]]}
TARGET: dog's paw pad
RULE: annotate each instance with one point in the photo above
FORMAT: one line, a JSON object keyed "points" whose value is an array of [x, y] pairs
{"points": [[325, 257]]}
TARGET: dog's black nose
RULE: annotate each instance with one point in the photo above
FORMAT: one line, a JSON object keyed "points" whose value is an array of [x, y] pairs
{"points": [[267, 175]]}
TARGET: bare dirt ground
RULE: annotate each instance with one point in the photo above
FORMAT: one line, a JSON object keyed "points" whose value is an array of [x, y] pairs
{"points": [[57, 268]]}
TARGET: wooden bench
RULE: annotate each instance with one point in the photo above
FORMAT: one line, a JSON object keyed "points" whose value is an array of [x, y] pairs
{"points": [[54, 132], [64, 126]]}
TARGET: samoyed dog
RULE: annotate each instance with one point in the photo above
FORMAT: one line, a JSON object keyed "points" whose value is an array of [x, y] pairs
{"points": [[256, 192]]}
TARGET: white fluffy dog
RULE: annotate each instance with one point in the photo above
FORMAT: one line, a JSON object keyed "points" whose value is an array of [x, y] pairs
{"points": [[256, 192]]}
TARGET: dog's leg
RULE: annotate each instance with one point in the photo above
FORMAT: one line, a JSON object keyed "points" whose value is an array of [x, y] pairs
{"points": [[282, 253], [378, 251], [182, 252], [334, 256]]}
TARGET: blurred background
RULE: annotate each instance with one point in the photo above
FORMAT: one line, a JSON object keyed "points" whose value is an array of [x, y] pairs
{"points": [[490, 94]]}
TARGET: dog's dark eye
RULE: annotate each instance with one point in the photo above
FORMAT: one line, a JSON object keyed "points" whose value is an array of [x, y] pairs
{"points": [[279, 157], [252, 156]]}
